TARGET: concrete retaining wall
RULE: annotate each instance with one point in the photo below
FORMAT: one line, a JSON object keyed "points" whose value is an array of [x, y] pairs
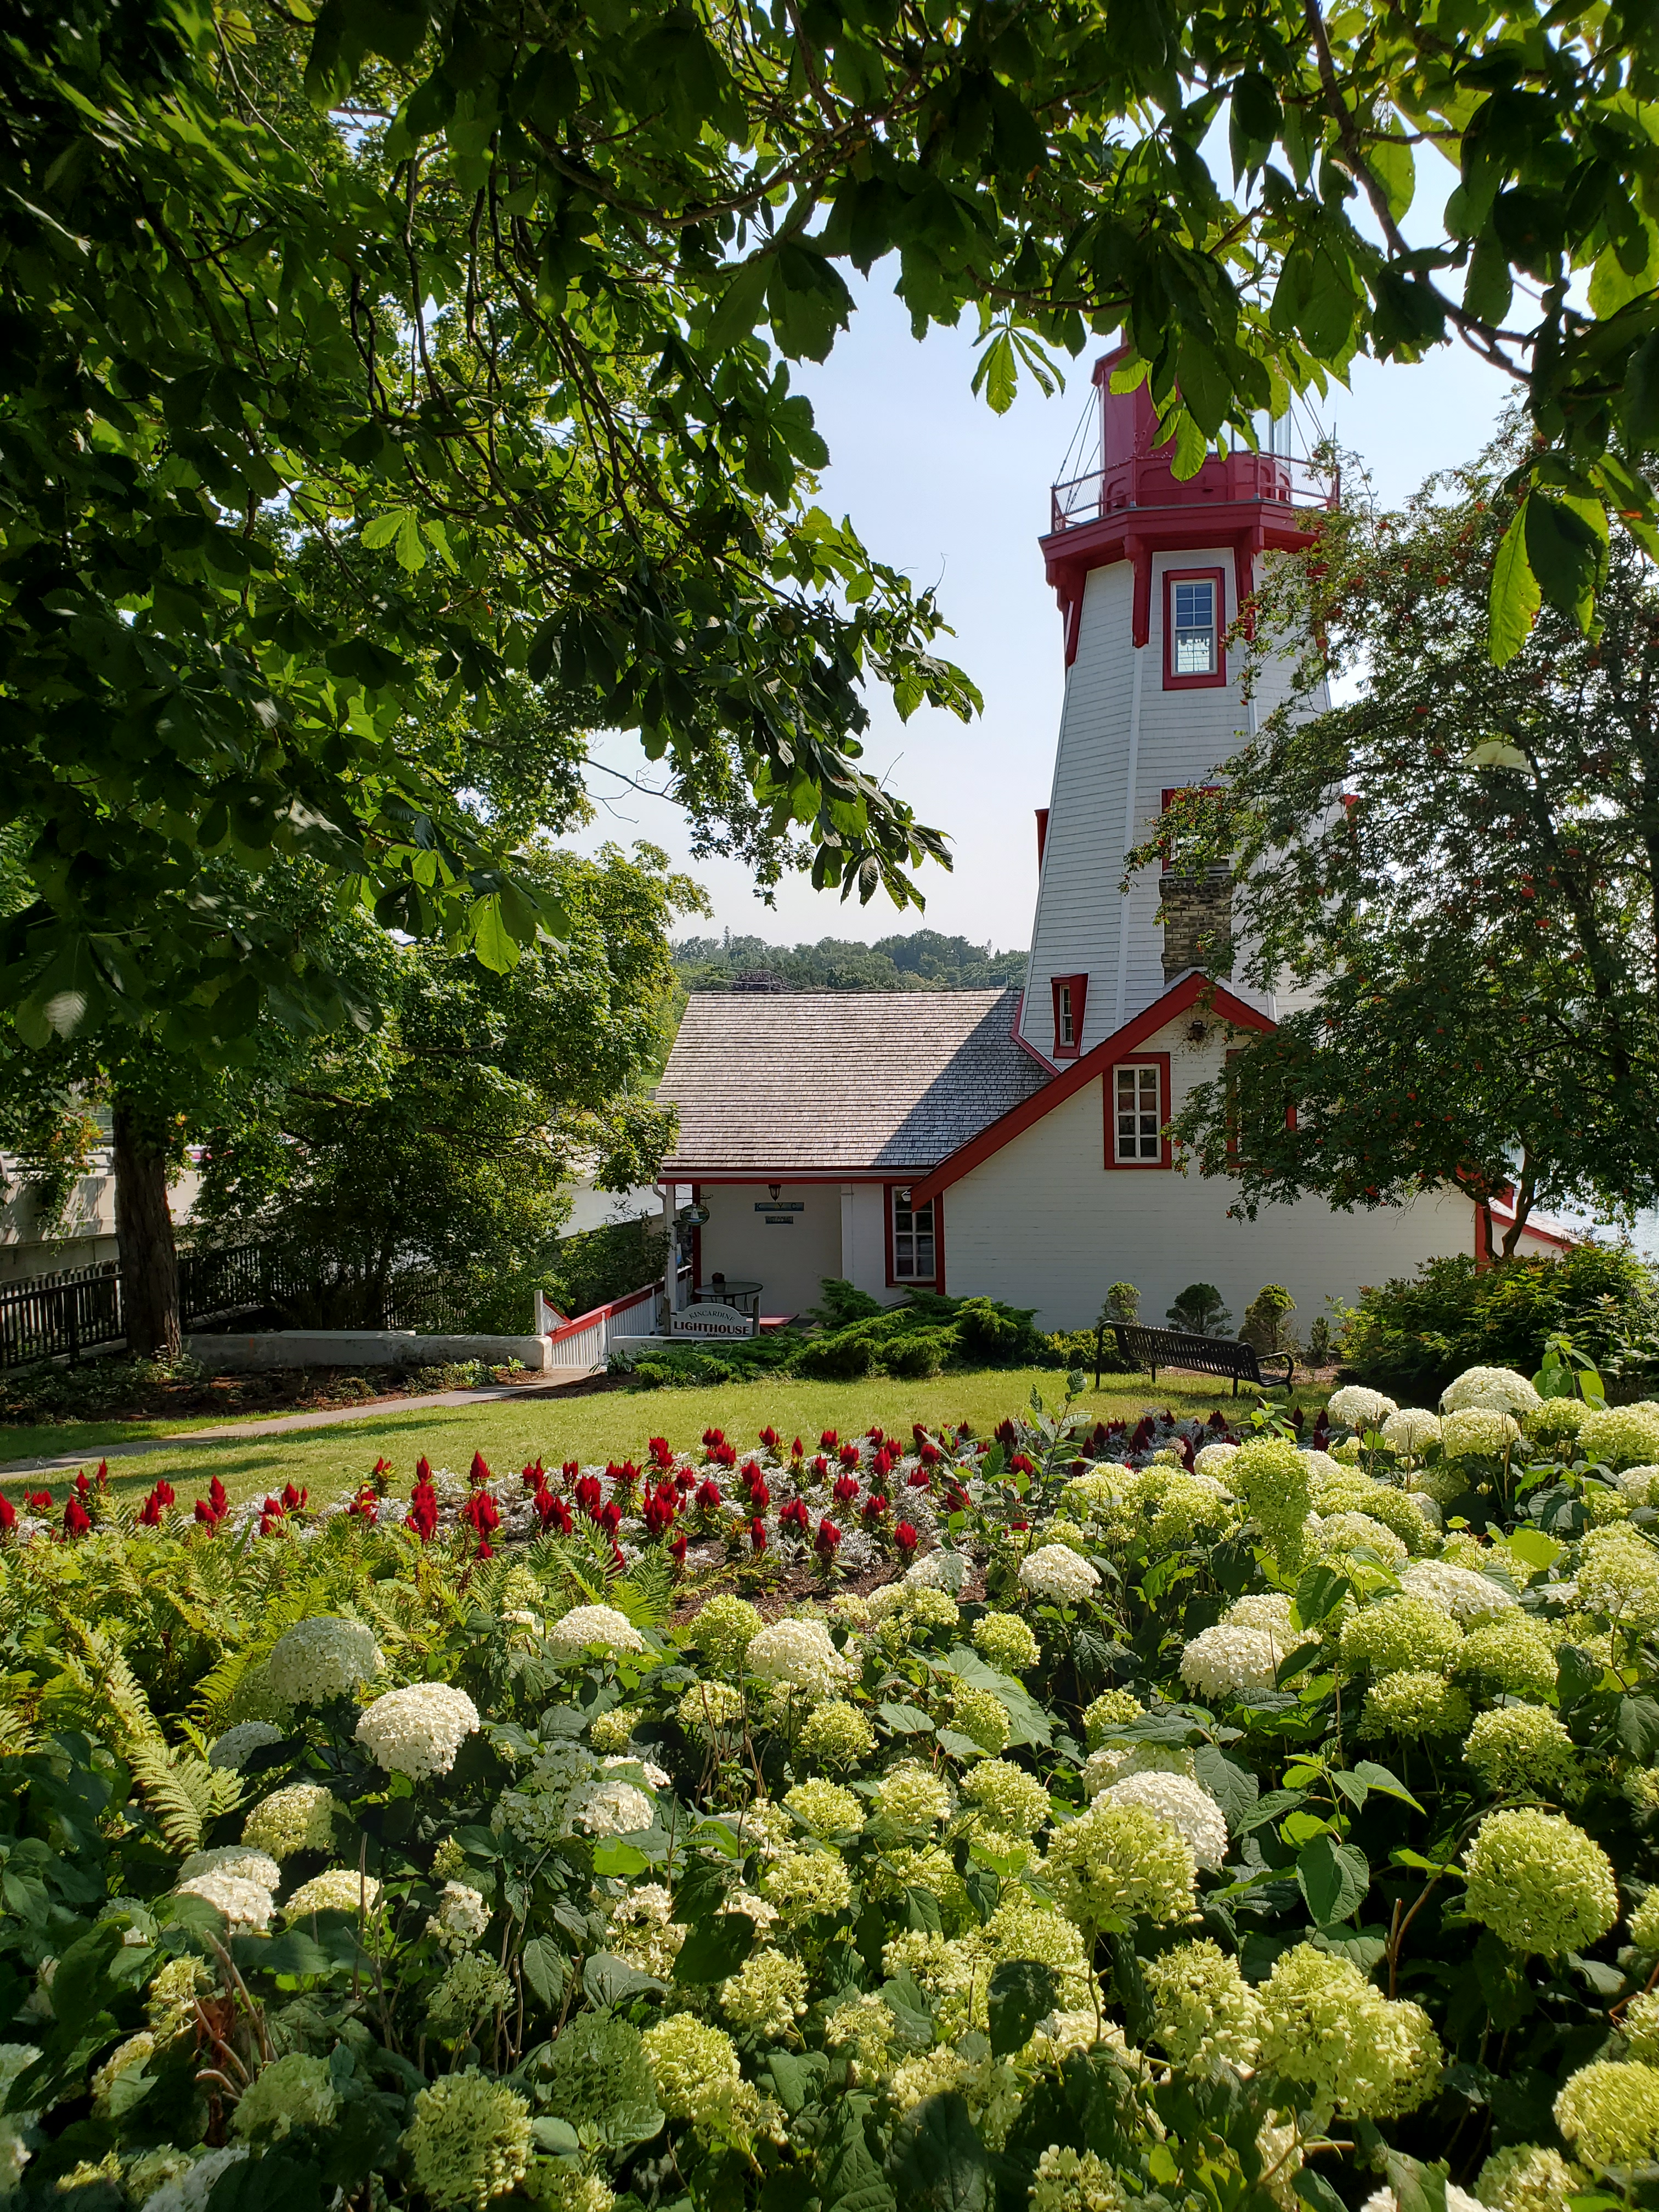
{"points": [[360, 1348]]}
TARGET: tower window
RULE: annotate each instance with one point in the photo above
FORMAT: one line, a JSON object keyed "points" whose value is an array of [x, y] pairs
{"points": [[1139, 1096], [1070, 1002], [1193, 620]]}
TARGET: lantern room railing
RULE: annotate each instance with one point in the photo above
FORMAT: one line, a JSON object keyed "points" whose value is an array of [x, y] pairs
{"points": [[1146, 480]]}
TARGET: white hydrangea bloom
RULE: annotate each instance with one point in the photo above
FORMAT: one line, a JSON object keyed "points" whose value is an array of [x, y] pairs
{"points": [[571, 1634], [317, 1660], [943, 1569], [799, 1654], [246, 1907], [609, 1808], [1116, 1762], [1478, 1432], [337, 1889], [1495, 1389], [462, 1915], [1181, 1804], [1360, 1408], [237, 1860], [645, 1768], [1231, 1662], [418, 1731], [189, 2192], [1266, 1609], [1411, 1432], [1058, 1574], [231, 1751], [1457, 1590], [1638, 1484], [1457, 2200], [1350, 1532], [1214, 1459]]}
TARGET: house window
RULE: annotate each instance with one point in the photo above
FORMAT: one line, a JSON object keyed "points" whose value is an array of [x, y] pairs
{"points": [[1071, 1003], [1193, 619], [1138, 1115], [913, 1239]]}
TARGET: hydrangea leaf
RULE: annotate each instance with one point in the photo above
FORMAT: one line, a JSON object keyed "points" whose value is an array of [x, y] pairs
{"points": [[1022, 1991], [939, 2162]]}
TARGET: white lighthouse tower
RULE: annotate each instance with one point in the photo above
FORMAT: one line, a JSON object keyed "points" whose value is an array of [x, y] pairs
{"points": [[1150, 571]]}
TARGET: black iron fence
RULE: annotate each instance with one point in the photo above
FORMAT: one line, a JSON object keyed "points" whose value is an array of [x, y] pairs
{"points": [[78, 1310]]}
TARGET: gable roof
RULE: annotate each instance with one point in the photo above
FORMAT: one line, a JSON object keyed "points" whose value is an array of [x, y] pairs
{"points": [[817, 1081], [1183, 993]]}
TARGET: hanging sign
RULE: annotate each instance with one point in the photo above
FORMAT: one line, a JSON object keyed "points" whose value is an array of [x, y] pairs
{"points": [[780, 1205]]}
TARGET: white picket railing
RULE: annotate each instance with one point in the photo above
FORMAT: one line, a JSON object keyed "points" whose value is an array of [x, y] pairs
{"points": [[585, 1343]]}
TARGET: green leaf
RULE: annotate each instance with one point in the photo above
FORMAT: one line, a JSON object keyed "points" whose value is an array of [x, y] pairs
{"points": [[1023, 1993], [615, 1858], [1318, 1593], [608, 1980], [1379, 1778], [937, 2162], [1417, 2187], [1514, 595], [1636, 1726], [1234, 1787], [1332, 1878], [545, 1967], [1563, 552], [714, 1948], [1641, 395], [997, 374], [904, 1720], [1533, 1549], [798, 2078], [1490, 285], [492, 941], [849, 2180], [1311, 2186]]}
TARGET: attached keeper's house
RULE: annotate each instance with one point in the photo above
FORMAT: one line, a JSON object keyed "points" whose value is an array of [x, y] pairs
{"points": [[1011, 1143]]}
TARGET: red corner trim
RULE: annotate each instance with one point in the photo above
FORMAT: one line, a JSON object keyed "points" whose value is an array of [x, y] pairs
{"points": [[1073, 622], [1094, 1062], [1136, 550], [1024, 1042], [1041, 813]]}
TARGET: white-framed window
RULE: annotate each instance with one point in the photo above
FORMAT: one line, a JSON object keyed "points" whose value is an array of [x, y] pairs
{"points": [[913, 1240], [1138, 1115], [1068, 1027], [1192, 605]]}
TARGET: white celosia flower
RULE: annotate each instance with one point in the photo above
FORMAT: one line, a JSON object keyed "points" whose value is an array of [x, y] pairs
{"points": [[246, 1907], [1360, 1408], [942, 1569], [573, 1632], [462, 1915], [1457, 1590], [609, 1809], [418, 1731], [1231, 1662], [798, 1656], [1058, 1574], [1494, 1389], [317, 1660], [1411, 1432], [1214, 1459], [230, 1752], [236, 1860]]}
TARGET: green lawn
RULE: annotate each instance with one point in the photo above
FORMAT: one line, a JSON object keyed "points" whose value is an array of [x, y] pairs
{"points": [[602, 1426]]}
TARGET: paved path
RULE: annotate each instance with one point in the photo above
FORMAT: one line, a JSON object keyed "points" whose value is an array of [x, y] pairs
{"points": [[288, 1424]]}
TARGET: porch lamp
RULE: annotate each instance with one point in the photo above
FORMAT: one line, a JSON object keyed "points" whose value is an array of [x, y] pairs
{"points": [[775, 1189]]}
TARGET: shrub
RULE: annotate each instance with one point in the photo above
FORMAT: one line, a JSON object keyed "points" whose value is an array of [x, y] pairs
{"points": [[1410, 1336], [1264, 1319], [1199, 1309], [998, 1335], [840, 1359], [924, 1351]]}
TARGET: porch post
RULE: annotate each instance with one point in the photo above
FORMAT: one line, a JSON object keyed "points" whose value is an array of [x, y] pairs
{"points": [[670, 1266]]}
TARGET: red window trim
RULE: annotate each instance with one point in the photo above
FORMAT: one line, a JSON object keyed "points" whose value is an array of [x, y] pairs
{"points": [[1218, 578], [1079, 990], [895, 1282], [1161, 1062]]}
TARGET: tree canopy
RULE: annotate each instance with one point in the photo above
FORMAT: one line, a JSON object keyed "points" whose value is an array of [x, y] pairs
{"points": [[1452, 879], [369, 363], [913, 960]]}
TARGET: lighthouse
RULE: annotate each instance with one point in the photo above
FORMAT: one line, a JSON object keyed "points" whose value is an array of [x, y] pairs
{"points": [[1150, 572]]}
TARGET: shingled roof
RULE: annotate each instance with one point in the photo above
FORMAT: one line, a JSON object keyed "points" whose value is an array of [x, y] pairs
{"points": [[855, 1080]]}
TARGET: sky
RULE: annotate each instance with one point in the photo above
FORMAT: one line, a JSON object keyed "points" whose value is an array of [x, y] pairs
{"points": [[957, 497]]}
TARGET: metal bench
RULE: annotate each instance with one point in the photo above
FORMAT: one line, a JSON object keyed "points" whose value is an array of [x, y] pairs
{"points": [[1152, 1348]]}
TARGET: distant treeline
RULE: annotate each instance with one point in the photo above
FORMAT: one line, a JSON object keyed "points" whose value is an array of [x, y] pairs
{"points": [[922, 961]]}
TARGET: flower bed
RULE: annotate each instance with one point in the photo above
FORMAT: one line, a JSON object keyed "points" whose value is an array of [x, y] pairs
{"points": [[1172, 1813]]}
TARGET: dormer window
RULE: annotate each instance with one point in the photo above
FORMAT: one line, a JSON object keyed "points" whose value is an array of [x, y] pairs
{"points": [[1070, 998], [1193, 621]]}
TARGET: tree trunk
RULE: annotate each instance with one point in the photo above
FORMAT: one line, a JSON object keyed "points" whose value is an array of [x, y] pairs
{"points": [[143, 1237]]}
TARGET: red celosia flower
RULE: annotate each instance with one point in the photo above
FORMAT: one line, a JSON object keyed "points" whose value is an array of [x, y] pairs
{"points": [[759, 1497], [931, 1454], [708, 1495], [769, 1438], [876, 1435], [149, 1513], [103, 1476], [905, 1537], [366, 1505], [850, 1455], [829, 1440], [424, 1469], [875, 1506], [609, 1518], [677, 1549], [660, 1510], [757, 1534], [724, 1455], [712, 1436], [478, 1471], [1022, 1464], [685, 1482], [882, 1465], [957, 1499], [588, 1495], [165, 1493], [921, 1480], [480, 1515], [8, 1515], [919, 1432], [661, 1453], [794, 1514], [381, 1476], [571, 1469], [83, 1487], [821, 1468], [206, 1514], [533, 1477], [422, 1514], [77, 1521], [827, 1538], [846, 1489], [294, 1499], [797, 1449], [38, 1501], [750, 1474]]}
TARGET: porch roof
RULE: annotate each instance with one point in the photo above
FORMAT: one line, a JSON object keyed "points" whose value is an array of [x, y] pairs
{"points": [[801, 1082]]}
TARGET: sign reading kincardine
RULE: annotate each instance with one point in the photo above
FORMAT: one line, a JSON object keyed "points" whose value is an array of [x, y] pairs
{"points": [[710, 1320]]}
